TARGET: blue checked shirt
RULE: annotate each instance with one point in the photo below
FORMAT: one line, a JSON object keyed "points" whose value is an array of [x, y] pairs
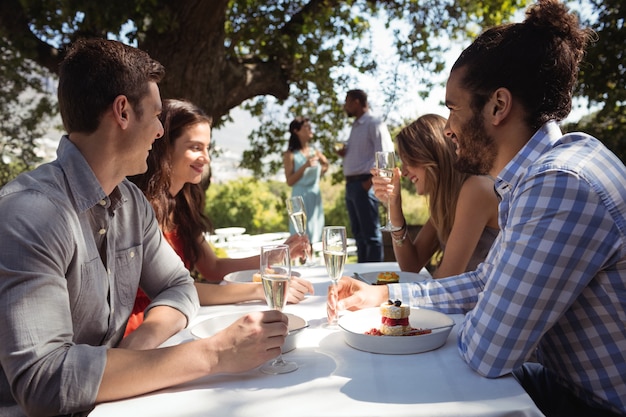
{"points": [[554, 282]]}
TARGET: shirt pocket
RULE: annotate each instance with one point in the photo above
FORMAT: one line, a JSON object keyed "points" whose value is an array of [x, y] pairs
{"points": [[128, 272], [88, 295]]}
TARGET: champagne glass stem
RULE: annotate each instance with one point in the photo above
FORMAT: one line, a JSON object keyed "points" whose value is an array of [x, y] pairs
{"points": [[306, 251], [389, 225], [279, 361]]}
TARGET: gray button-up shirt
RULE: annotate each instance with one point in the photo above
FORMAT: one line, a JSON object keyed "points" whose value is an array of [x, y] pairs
{"points": [[369, 135], [71, 260]]}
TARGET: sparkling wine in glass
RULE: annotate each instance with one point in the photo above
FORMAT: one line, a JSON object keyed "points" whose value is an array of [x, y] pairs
{"points": [[275, 276], [297, 214], [385, 164], [335, 251]]}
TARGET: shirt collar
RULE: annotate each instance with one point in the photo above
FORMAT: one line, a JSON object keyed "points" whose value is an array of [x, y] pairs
{"points": [[82, 182], [366, 115], [542, 141]]}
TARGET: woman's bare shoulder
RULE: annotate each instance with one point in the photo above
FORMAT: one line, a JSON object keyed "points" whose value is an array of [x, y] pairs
{"points": [[481, 184]]}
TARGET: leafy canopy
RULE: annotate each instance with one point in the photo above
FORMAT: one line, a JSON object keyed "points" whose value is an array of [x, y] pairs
{"points": [[222, 53]]}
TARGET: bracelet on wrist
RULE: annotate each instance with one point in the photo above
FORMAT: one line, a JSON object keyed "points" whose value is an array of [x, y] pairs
{"points": [[405, 231]]}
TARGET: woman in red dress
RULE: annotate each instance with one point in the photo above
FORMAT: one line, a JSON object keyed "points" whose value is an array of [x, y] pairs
{"points": [[177, 164]]}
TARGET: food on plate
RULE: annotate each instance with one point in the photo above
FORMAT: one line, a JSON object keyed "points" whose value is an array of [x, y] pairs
{"points": [[256, 277], [394, 318], [395, 321], [387, 278]]}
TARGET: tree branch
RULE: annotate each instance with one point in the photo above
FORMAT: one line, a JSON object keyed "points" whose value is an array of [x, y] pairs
{"points": [[14, 21]]}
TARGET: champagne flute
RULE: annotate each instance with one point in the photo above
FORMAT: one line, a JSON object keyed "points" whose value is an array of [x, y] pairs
{"points": [[275, 277], [335, 251], [339, 145], [297, 214], [385, 164]]}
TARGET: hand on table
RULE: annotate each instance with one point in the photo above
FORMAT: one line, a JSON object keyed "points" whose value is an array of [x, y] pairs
{"points": [[298, 289], [354, 295], [249, 342]]}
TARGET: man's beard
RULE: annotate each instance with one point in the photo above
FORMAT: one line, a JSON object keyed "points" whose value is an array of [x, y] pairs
{"points": [[478, 153]]}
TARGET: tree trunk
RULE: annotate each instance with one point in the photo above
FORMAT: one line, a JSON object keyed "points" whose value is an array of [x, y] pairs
{"points": [[196, 64]]}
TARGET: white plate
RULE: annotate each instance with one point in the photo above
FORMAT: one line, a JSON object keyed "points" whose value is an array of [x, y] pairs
{"points": [[372, 277], [355, 324], [211, 326], [246, 276], [230, 231]]}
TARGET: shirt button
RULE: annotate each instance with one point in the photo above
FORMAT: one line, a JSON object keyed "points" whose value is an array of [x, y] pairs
{"points": [[132, 254], [102, 231], [102, 203]]}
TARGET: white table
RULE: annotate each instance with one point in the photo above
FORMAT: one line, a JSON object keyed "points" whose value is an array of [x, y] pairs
{"points": [[335, 379], [244, 245]]}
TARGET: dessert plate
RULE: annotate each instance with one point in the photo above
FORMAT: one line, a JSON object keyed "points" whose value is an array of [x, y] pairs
{"points": [[246, 276], [372, 277], [209, 327], [355, 324]]}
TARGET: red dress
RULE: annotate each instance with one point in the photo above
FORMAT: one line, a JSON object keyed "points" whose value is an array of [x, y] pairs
{"points": [[142, 301]]}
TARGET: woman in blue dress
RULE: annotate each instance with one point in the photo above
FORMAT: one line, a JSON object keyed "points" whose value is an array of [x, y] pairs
{"points": [[304, 167]]}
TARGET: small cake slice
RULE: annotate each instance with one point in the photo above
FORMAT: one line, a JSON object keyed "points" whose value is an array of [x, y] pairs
{"points": [[395, 318]]}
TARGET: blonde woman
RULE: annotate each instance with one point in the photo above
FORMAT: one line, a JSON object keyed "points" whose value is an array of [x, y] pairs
{"points": [[463, 208]]}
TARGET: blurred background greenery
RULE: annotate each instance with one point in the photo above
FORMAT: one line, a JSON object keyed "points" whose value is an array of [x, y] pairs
{"points": [[259, 205]]}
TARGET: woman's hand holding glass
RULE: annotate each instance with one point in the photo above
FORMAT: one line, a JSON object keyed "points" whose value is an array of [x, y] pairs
{"points": [[385, 166], [387, 190], [297, 215], [299, 246]]}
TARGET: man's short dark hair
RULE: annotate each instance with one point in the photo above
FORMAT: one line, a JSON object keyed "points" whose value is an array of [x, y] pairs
{"points": [[358, 95], [94, 72]]}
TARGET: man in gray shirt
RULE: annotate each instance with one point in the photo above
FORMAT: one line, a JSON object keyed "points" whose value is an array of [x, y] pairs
{"points": [[368, 136], [78, 239]]}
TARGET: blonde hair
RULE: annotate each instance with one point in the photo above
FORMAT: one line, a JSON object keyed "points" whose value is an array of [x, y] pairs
{"points": [[423, 143]]}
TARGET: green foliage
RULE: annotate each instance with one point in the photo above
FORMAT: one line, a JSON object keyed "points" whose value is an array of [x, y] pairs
{"points": [[282, 58], [258, 206], [335, 212], [602, 77], [222, 54], [415, 208], [608, 126], [26, 106]]}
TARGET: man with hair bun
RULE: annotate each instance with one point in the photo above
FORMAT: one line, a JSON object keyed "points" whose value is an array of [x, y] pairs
{"points": [[548, 304]]}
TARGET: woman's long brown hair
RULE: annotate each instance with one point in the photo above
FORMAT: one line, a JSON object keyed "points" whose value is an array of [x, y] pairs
{"points": [[183, 212]]}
